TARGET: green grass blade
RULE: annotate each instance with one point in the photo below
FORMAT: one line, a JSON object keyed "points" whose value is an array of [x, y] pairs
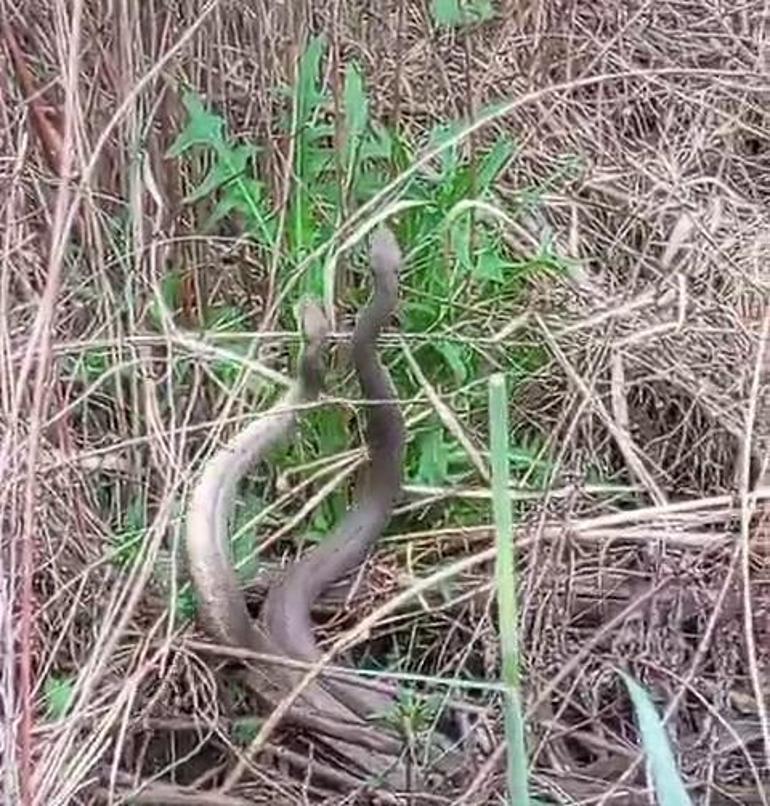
{"points": [[669, 788], [518, 791]]}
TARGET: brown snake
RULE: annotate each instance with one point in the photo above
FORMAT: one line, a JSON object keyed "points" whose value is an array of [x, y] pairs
{"points": [[341, 709], [286, 612]]}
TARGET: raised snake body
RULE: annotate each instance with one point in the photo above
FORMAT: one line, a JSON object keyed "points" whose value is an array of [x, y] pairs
{"points": [[338, 709], [286, 613]]}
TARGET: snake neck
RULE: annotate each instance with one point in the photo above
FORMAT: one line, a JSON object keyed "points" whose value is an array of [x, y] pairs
{"points": [[385, 434]]}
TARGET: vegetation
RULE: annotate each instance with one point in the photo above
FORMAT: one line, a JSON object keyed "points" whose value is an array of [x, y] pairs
{"points": [[591, 247]]}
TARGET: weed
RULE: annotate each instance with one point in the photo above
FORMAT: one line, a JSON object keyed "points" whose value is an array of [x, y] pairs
{"points": [[460, 13], [58, 692]]}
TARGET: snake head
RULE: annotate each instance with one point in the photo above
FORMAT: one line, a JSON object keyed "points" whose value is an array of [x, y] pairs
{"points": [[313, 322], [385, 254]]}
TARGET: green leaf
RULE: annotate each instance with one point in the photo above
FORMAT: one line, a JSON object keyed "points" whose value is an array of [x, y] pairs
{"points": [[247, 197], [356, 112], [441, 134], [309, 93], [230, 163], [330, 430], [479, 11], [93, 364], [668, 783], [170, 293], [58, 692], [187, 604], [243, 548], [493, 163], [447, 12], [491, 266], [460, 236], [434, 458], [452, 354], [454, 13], [203, 127], [225, 318], [378, 145], [245, 731], [130, 537]]}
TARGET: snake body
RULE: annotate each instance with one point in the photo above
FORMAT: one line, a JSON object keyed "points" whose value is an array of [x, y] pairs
{"points": [[337, 709], [223, 605], [287, 608]]}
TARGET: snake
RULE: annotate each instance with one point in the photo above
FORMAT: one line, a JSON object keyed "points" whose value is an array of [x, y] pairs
{"points": [[288, 605], [340, 710]]}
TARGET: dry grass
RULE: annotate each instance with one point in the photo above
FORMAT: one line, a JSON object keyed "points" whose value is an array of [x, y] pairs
{"points": [[654, 377]]}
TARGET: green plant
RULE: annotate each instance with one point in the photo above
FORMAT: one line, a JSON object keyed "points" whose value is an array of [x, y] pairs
{"points": [[669, 787], [58, 692], [460, 277], [458, 13], [506, 585]]}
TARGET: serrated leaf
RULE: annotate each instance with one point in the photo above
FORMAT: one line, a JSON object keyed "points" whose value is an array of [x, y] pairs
{"points": [[202, 128], [669, 787], [491, 266], [230, 163], [378, 145], [246, 196]]}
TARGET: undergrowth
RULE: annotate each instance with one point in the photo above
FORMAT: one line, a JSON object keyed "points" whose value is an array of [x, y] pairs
{"points": [[460, 277], [461, 280]]}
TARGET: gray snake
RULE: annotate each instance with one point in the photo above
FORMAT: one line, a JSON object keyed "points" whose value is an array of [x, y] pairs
{"points": [[334, 708]]}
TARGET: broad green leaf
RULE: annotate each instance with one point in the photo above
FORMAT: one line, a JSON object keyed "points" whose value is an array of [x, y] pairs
{"points": [[453, 13], [378, 145], [668, 783], [203, 127], [230, 163], [332, 435]]}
